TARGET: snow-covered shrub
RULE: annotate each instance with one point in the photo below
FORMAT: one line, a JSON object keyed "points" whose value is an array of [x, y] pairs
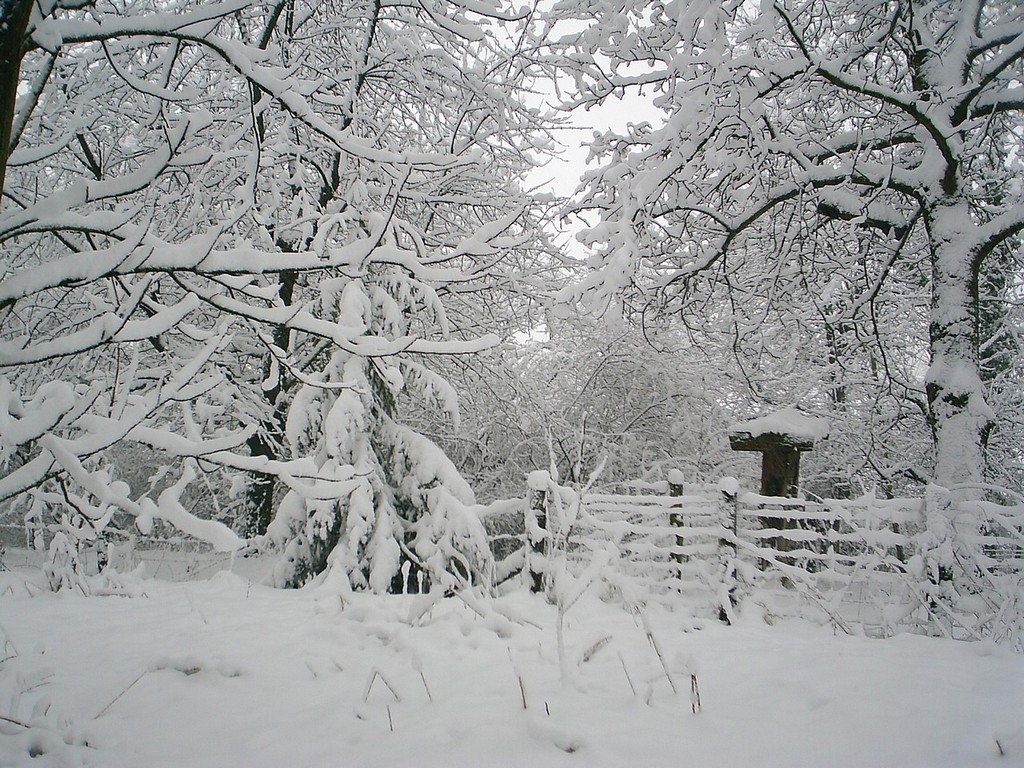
{"points": [[70, 525], [968, 567], [60, 472]]}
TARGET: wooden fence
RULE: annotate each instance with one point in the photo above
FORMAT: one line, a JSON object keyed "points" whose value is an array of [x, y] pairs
{"points": [[887, 564]]}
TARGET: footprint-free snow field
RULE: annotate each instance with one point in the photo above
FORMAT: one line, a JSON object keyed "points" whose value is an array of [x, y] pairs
{"points": [[227, 673]]}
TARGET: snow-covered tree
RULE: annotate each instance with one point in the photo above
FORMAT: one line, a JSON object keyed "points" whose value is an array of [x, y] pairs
{"points": [[817, 148], [581, 393], [183, 176], [411, 81], [598, 392], [403, 520]]}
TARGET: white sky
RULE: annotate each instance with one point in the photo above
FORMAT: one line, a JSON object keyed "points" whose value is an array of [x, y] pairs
{"points": [[561, 175]]}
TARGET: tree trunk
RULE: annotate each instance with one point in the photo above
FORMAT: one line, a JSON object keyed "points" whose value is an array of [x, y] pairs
{"points": [[262, 488], [960, 417], [14, 16], [265, 443]]}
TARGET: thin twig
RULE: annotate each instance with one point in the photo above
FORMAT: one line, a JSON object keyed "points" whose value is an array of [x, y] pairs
{"points": [[369, 686], [426, 687], [8, 643], [592, 650], [12, 721], [122, 693], [628, 678], [657, 649], [195, 608]]}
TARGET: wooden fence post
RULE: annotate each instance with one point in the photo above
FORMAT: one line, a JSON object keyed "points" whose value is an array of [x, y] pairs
{"points": [[675, 517], [536, 524], [729, 513]]}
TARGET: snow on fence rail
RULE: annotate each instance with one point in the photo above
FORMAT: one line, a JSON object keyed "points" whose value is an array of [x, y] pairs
{"points": [[886, 564]]}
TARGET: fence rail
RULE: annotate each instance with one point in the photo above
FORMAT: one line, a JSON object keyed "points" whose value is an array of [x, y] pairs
{"points": [[886, 564], [889, 564]]}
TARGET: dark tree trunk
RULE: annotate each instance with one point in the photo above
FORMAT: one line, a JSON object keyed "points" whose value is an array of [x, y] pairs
{"points": [[14, 16], [262, 487], [267, 441]]}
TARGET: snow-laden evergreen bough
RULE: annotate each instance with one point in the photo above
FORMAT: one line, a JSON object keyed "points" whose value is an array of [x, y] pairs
{"points": [[403, 519]]}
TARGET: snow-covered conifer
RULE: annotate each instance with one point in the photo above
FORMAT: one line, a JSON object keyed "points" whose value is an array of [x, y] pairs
{"points": [[402, 519]]}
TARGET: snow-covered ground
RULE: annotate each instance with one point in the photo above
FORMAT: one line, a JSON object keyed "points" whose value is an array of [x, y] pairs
{"points": [[224, 672]]}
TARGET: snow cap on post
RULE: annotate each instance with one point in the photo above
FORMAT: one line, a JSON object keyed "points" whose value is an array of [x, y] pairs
{"points": [[786, 427], [538, 480], [779, 437], [676, 477]]}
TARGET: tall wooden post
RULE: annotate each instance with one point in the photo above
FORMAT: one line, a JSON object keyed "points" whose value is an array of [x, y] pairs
{"points": [[780, 459], [780, 438]]}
